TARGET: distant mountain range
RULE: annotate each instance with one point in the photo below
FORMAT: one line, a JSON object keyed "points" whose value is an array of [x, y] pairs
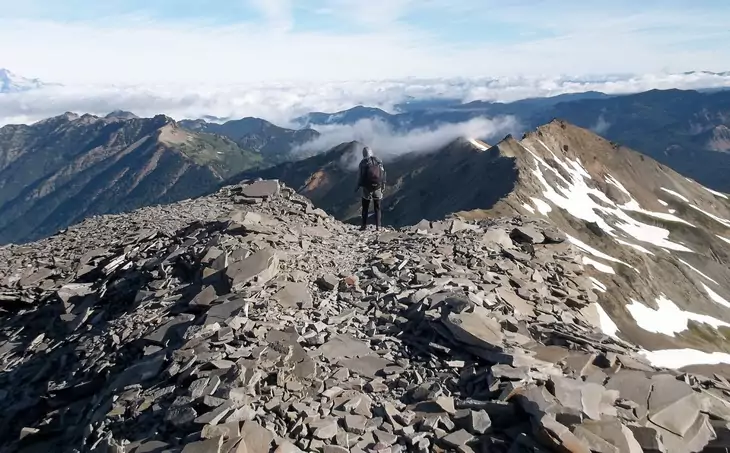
{"points": [[61, 170], [58, 171], [684, 129], [13, 83]]}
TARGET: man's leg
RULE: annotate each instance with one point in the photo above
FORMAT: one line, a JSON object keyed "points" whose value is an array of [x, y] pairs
{"points": [[376, 208], [365, 208]]}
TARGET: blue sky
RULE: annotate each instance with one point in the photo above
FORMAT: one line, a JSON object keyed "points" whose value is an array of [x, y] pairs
{"points": [[154, 41]]}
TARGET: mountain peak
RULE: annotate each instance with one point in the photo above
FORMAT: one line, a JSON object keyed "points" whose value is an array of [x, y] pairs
{"points": [[121, 114], [14, 83], [478, 144]]}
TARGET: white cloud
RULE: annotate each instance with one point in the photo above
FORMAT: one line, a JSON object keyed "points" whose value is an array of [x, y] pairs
{"points": [[280, 102], [164, 59], [277, 12], [387, 143], [377, 13], [379, 39], [601, 126]]}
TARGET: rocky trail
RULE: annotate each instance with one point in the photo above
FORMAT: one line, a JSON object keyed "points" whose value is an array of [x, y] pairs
{"points": [[248, 321]]}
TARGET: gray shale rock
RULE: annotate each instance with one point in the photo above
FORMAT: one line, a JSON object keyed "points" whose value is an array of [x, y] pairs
{"points": [[251, 321]]}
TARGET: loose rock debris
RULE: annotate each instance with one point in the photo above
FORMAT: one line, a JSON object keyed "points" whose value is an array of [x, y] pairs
{"points": [[271, 327]]}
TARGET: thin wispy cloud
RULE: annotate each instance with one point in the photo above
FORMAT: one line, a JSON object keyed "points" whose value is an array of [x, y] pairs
{"points": [[602, 126], [187, 41], [278, 13], [281, 58]]}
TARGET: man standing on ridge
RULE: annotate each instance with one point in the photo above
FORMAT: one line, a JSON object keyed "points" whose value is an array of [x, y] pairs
{"points": [[371, 178]]}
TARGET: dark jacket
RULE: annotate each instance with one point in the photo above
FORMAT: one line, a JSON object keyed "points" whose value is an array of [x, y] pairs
{"points": [[363, 169]]}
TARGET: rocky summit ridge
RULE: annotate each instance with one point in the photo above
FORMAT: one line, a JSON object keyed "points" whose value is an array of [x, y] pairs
{"points": [[251, 321], [656, 244]]}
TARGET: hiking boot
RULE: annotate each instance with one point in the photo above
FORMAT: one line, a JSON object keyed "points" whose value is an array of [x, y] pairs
{"points": [[363, 228]]}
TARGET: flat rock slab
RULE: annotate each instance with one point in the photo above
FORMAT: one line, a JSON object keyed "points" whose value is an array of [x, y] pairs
{"points": [[260, 267], [477, 329], [582, 396], [262, 189], [554, 236], [368, 365], [328, 282], [295, 355], [317, 232], [458, 439], [172, 329], [499, 237], [204, 297], [615, 434], [204, 446], [527, 234], [257, 438], [219, 313], [35, 277], [634, 386], [287, 447], [343, 347], [294, 295], [673, 405], [519, 304], [694, 440]]}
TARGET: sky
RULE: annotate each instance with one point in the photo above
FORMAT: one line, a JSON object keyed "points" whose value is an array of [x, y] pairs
{"points": [[277, 59], [244, 41]]}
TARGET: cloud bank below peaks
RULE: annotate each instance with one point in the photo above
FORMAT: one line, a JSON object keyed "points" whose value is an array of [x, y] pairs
{"points": [[281, 102], [388, 143]]}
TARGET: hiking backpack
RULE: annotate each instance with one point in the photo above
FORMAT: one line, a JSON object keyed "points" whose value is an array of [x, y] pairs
{"points": [[373, 174]]}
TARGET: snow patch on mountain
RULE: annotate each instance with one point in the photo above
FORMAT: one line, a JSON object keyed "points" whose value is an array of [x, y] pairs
{"points": [[634, 246], [679, 358], [696, 270], [562, 180], [13, 83], [606, 269], [597, 253], [678, 195], [711, 215], [606, 323], [478, 144], [668, 318], [578, 198], [542, 206], [529, 208], [716, 193], [598, 285], [716, 297]]}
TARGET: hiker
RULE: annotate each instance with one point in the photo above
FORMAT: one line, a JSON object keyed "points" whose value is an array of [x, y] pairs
{"points": [[372, 180]]}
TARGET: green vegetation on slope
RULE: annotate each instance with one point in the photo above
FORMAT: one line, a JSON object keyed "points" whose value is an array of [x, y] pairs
{"points": [[220, 153]]}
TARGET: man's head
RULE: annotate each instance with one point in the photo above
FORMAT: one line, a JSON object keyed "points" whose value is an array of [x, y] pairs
{"points": [[367, 152]]}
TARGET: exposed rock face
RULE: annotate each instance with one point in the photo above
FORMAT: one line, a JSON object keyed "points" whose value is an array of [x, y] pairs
{"points": [[683, 129], [271, 327], [62, 170], [656, 244], [274, 143]]}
